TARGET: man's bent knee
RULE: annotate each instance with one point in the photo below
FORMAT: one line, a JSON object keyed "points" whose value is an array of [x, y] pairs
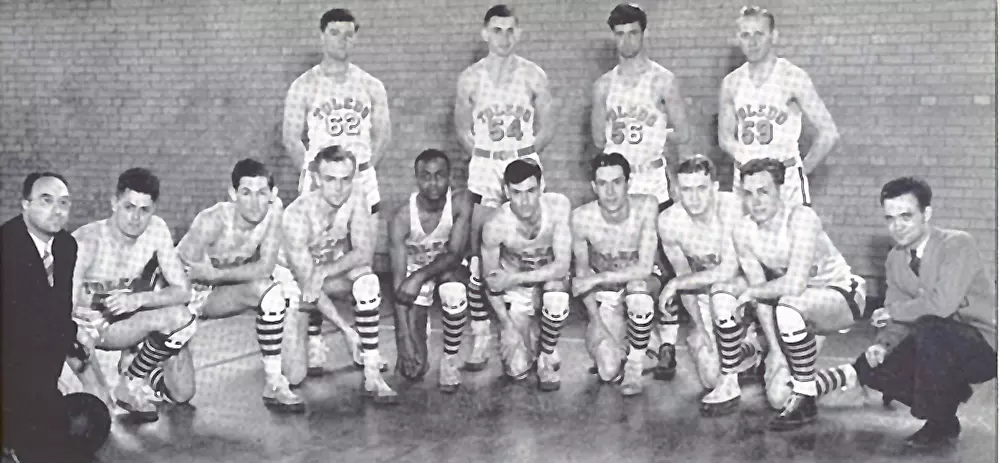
{"points": [[556, 285], [555, 305], [367, 292], [454, 299]]}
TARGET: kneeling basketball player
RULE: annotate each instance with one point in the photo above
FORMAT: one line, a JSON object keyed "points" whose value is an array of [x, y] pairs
{"points": [[117, 300], [230, 251], [526, 258]]}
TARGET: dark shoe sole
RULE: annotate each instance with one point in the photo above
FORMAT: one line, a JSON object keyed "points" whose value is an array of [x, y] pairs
{"points": [[720, 409], [141, 417], [276, 406]]}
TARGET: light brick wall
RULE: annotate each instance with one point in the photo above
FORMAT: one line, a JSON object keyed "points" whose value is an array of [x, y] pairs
{"points": [[90, 88]]}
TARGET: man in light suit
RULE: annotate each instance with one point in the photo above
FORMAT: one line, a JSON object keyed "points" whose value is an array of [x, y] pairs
{"points": [[36, 276]]}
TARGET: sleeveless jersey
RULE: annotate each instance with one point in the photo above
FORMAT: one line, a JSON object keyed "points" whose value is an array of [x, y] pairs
{"points": [[634, 124], [828, 265], [614, 246], [768, 122], [329, 234], [233, 248], [422, 247], [504, 115], [117, 268], [703, 246], [339, 113], [523, 254]]}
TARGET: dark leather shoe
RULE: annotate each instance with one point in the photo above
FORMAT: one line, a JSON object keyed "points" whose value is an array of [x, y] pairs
{"points": [[935, 433], [666, 367]]}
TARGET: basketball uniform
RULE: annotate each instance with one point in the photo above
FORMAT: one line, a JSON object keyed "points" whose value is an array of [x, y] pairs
{"points": [[340, 113], [116, 269], [769, 123], [637, 128], [422, 247], [231, 249], [502, 129]]}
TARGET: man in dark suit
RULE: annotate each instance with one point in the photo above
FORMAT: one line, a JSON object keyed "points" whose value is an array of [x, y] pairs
{"points": [[36, 290]]}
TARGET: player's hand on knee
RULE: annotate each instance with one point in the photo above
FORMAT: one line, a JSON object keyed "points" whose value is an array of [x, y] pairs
{"points": [[583, 285], [666, 296], [408, 290], [500, 280], [123, 303], [880, 317], [744, 299], [875, 355]]}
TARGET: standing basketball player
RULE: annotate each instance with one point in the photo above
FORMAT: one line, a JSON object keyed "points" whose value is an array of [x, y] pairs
{"points": [[329, 238], [230, 251], [503, 112], [787, 257], [761, 107], [697, 238], [118, 303], [526, 258], [614, 242], [427, 242], [638, 109], [338, 103]]}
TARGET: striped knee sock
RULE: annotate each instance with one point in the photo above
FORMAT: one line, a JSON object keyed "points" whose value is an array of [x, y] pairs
{"points": [[453, 326], [729, 339], [153, 352]]}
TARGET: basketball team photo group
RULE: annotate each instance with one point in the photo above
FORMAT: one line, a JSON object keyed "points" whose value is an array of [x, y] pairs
{"points": [[690, 291]]}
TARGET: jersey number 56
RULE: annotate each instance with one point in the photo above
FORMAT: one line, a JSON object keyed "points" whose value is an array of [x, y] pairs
{"points": [[622, 132]]}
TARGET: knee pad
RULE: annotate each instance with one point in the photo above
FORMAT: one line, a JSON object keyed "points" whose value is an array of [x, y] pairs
{"points": [[640, 308], [367, 292], [454, 299], [555, 305], [177, 339], [790, 322], [273, 304], [289, 288]]}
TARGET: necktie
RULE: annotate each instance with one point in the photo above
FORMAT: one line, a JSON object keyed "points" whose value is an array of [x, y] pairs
{"points": [[48, 261], [914, 262]]}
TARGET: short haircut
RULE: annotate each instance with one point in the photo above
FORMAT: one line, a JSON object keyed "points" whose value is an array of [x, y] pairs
{"points": [[338, 15], [610, 160], [430, 155], [499, 11], [770, 165], [251, 168], [334, 153], [627, 13], [903, 185], [29, 182], [521, 170], [698, 163], [758, 12], [139, 180]]}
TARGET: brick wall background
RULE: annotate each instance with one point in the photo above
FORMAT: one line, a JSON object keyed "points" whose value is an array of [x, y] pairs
{"points": [[91, 87]]}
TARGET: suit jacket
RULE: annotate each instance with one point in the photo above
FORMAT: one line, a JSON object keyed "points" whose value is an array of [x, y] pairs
{"points": [[953, 283], [38, 328]]}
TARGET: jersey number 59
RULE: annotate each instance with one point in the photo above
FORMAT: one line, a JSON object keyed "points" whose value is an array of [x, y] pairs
{"points": [[761, 130], [622, 132]]}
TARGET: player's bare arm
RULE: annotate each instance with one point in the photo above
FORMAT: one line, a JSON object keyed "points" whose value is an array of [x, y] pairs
{"points": [[493, 235], [204, 231], [362, 244], [804, 229], [754, 274], [295, 231], [673, 101], [178, 290], [85, 256], [562, 249], [462, 218], [819, 116], [641, 268], [581, 257], [399, 230], [544, 108], [463, 110], [381, 121], [597, 110], [727, 124], [294, 123], [727, 269]]}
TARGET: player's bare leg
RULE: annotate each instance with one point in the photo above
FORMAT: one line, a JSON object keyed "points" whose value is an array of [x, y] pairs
{"points": [[606, 334], [163, 332]]}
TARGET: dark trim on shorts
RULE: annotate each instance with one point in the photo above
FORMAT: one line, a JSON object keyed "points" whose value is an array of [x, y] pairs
{"points": [[802, 181], [858, 313], [664, 205], [477, 198], [376, 207]]}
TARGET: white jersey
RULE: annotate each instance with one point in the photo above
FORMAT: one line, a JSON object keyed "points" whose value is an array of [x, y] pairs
{"points": [[504, 115], [339, 113], [329, 234], [828, 266], [769, 122], [422, 247], [635, 125]]}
